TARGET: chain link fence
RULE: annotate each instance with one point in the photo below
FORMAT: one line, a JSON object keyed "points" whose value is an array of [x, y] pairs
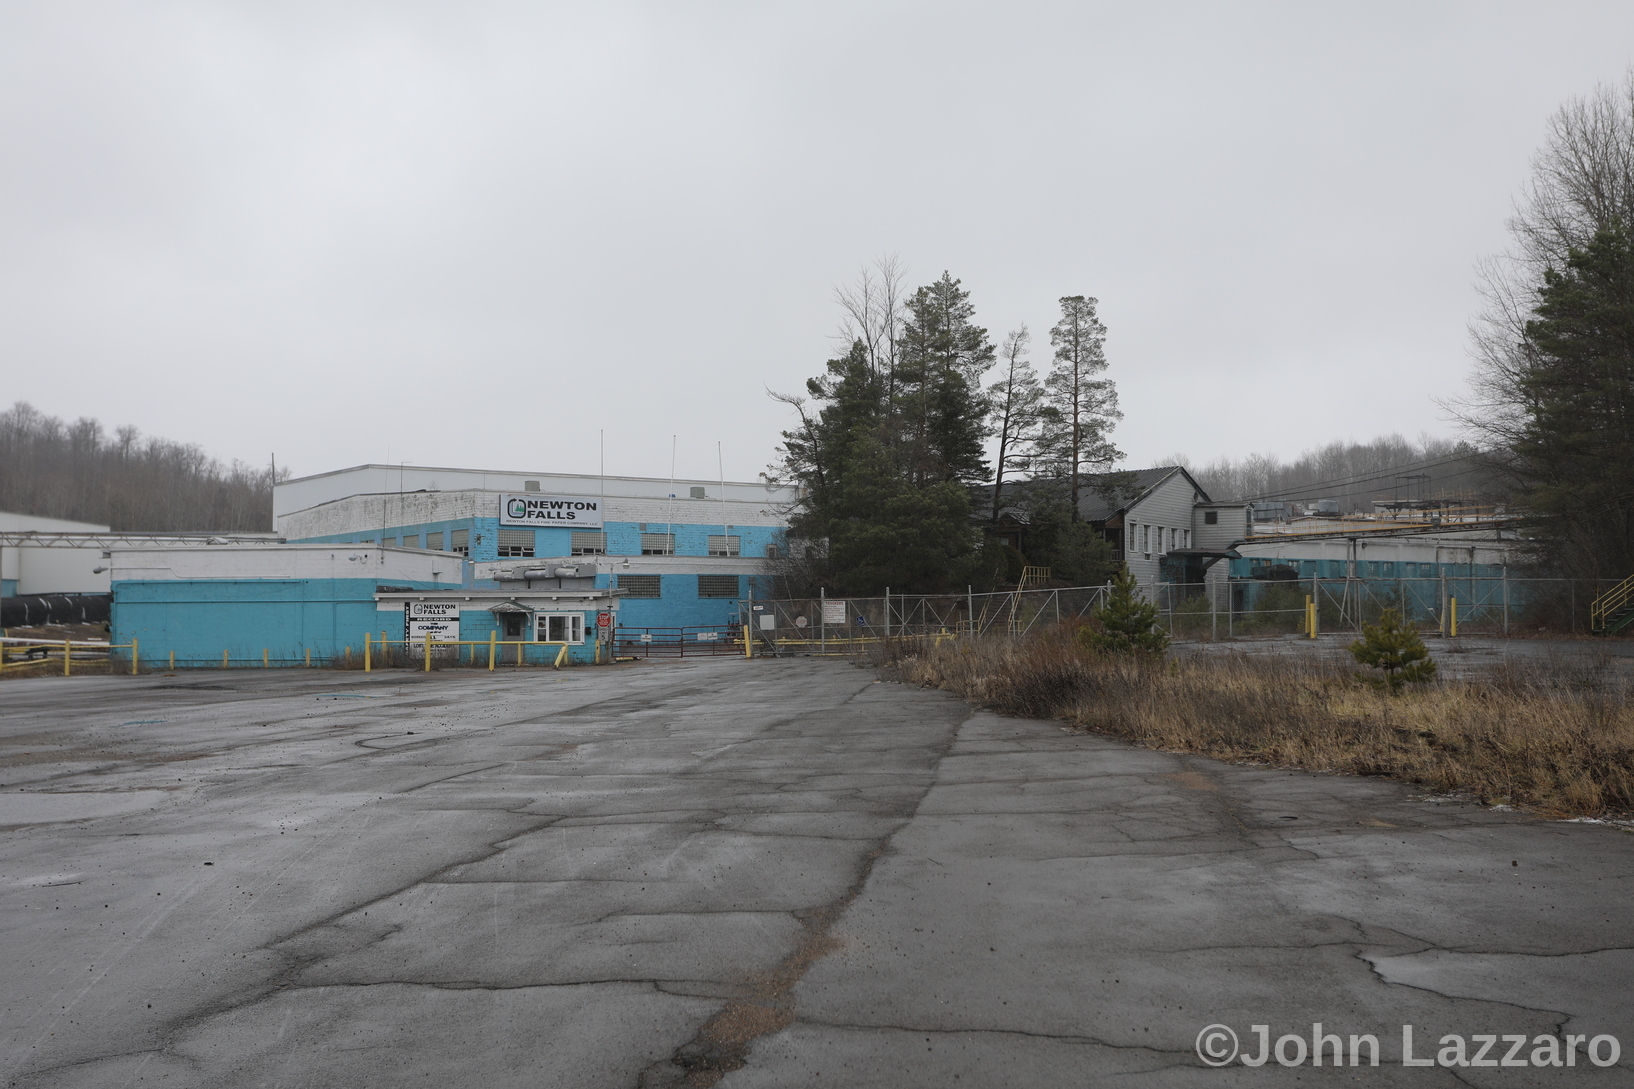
{"points": [[1217, 610]]}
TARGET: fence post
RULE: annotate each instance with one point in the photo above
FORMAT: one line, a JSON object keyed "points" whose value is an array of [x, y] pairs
{"points": [[493, 637], [135, 655], [970, 609], [428, 652], [368, 652], [67, 653], [1506, 599], [887, 612]]}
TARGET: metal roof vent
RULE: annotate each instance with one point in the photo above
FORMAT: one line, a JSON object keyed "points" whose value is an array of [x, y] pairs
{"points": [[530, 485]]}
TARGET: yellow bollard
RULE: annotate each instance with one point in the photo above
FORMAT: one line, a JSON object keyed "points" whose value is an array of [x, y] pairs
{"points": [[309, 657], [135, 655], [223, 659], [428, 652], [348, 657], [264, 662], [518, 653], [172, 661], [367, 649], [561, 655], [1453, 617], [67, 653], [493, 636]]}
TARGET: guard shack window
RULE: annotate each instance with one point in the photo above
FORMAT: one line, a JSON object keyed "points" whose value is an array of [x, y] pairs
{"points": [[588, 543], [561, 628], [725, 545], [515, 543]]}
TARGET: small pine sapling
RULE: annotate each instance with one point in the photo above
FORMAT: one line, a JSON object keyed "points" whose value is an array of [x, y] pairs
{"points": [[1394, 646], [1126, 623]]}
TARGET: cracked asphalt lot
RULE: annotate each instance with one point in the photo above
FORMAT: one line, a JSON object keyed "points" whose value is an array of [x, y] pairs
{"points": [[778, 873]]}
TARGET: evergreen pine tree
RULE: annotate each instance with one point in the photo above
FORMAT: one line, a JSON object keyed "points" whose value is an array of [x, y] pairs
{"points": [[1127, 622], [1081, 408], [1394, 647]]}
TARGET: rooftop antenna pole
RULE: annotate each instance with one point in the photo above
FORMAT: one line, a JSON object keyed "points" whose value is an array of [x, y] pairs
{"points": [[669, 512], [720, 463], [270, 490]]}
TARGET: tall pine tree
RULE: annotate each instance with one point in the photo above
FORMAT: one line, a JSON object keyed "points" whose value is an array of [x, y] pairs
{"points": [[1082, 408], [1574, 453], [941, 359]]}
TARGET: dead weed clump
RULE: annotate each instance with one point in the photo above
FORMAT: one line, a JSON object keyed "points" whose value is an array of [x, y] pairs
{"points": [[1514, 738]]}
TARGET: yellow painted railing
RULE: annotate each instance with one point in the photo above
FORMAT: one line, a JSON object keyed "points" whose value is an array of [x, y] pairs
{"points": [[494, 645], [52, 647], [1608, 604]]}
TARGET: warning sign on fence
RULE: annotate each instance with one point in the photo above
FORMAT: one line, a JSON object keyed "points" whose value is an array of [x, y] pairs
{"points": [[835, 612]]}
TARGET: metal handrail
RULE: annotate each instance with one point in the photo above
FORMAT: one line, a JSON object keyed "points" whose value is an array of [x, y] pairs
{"points": [[1612, 601]]}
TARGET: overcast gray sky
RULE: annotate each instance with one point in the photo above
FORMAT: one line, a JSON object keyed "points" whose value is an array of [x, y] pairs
{"points": [[480, 233]]}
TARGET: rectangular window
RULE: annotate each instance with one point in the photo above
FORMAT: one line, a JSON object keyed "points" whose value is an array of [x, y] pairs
{"points": [[434, 541], [658, 544], [561, 628], [411, 540], [717, 586], [588, 543], [1146, 539], [639, 585], [390, 542], [459, 541], [1211, 518], [725, 545], [515, 543]]}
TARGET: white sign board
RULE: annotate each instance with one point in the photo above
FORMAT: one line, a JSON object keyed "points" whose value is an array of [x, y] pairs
{"points": [[438, 619], [539, 511], [834, 612]]}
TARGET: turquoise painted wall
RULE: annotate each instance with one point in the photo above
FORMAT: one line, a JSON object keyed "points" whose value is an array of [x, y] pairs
{"points": [[285, 617]]}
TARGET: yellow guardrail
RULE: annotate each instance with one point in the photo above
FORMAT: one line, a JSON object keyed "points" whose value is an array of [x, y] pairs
{"points": [[65, 647], [1609, 603], [493, 643]]}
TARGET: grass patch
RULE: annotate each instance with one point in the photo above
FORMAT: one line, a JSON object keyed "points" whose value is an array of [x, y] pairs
{"points": [[1528, 737]]}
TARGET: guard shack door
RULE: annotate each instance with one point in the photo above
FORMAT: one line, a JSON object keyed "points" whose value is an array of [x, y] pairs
{"points": [[513, 626]]}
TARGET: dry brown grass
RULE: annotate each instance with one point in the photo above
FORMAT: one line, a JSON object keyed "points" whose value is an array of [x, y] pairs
{"points": [[1514, 737]]}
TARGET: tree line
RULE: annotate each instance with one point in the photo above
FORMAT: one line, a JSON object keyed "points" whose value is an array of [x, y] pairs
{"points": [[1553, 393], [890, 448], [1356, 474], [127, 481]]}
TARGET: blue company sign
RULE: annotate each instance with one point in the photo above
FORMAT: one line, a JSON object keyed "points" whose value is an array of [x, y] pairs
{"points": [[533, 509]]}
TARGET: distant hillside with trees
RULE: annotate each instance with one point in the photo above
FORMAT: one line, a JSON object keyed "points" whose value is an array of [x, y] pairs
{"points": [[128, 481], [1354, 473]]}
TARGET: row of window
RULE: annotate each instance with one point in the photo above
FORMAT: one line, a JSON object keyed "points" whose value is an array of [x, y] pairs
{"points": [[650, 586], [520, 543], [1159, 539]]}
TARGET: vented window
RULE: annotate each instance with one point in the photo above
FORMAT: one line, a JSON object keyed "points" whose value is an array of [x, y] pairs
{"points": [[588, 543], [411, 540], [515, 543], [658, 544], [721, 545], [773, 552], [390, 542], [434, 541], [640, 585], [459, 540], [717, 586], [1211, 518]]}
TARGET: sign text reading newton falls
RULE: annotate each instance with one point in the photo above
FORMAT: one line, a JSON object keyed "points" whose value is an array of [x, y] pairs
{"points": [[533, 509]]}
